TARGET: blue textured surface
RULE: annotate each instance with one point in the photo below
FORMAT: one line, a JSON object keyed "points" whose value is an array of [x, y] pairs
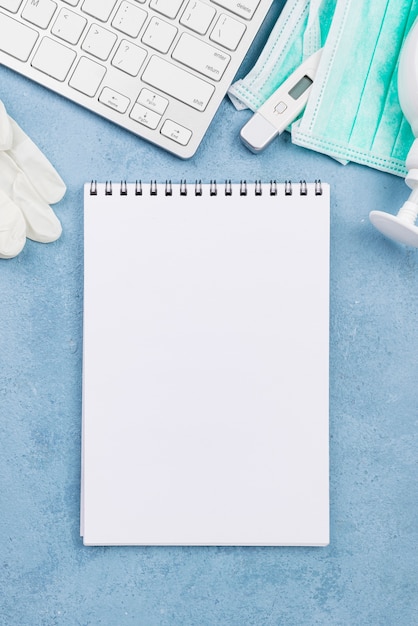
{"points": [[368, 575]]}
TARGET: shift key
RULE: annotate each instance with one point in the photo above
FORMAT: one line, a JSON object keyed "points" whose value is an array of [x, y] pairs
{"points": [[178, 83]]}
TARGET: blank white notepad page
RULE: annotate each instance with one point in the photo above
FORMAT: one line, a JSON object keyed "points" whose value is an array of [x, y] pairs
{"points": [[205, 374]]}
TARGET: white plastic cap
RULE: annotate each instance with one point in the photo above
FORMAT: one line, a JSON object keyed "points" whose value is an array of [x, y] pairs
{"points": [[396, 226], [258, 133]]}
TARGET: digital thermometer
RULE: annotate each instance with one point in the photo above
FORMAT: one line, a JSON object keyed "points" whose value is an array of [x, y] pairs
{"points": [[282, 107]]}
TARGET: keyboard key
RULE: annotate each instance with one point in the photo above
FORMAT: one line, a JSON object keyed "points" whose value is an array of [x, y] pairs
{"points": [[69, 26], [201, 56], [100, 9], [144, 116], [197, 16], [243, 8], [39, 12], [177, 133], [176, 82], [228, 32], [169, 8], [114, 100], [87, 76], [152, 101], [53, 59], [10, 5], [99, 42], [147, 60], [129, 19], [129, 58], [159, 35], [16, 39]]}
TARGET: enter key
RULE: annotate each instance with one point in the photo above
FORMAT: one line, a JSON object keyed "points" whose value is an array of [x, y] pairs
{"points": [[202, 57]]}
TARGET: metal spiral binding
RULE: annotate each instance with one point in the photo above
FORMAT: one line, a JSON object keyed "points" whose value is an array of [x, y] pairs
{"points": [[213, 188], [198, 189], [153, 188], [318, 187]]}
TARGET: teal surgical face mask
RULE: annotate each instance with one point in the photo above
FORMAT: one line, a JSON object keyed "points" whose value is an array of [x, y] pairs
{"points": [[300, 31], [353, 112]]}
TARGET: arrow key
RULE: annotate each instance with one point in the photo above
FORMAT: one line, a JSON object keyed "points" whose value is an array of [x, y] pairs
{"points": [[114, 100], [152, 101], [145, 116]]}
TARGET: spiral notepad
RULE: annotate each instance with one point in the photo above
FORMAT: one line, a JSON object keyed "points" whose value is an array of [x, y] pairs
{"points": [[205, 370]]}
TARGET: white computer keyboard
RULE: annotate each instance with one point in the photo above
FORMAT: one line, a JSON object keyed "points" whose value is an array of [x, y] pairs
{"points": [[159, 68]]}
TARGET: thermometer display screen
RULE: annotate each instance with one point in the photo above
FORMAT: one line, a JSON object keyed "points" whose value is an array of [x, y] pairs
{"points": [[301, 86]]}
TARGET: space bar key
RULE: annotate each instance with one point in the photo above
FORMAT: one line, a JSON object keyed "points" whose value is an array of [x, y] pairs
{"points": [[178, 83]]}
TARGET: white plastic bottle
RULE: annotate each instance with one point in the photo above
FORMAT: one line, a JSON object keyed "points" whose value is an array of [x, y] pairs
{"points": [[401, 227]]}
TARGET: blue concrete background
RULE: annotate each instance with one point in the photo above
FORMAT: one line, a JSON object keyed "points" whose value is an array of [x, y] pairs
{"points": [[368, 575]]}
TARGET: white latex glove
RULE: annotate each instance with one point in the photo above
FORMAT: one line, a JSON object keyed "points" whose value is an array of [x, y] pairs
{"points": [[28, 185]]}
